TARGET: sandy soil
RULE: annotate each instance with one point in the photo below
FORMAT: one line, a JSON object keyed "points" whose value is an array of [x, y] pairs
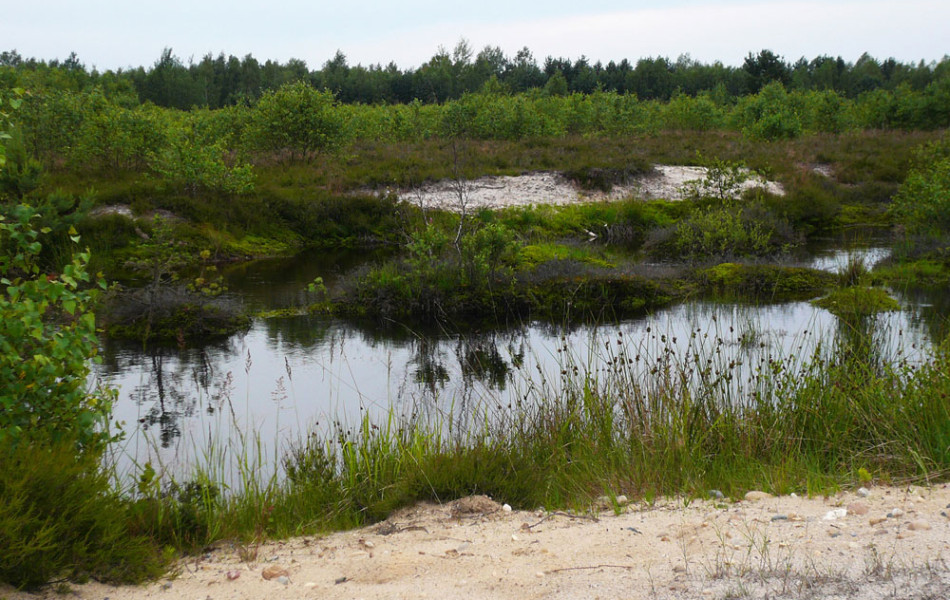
{"points": [[844, 546], [552, 188]]}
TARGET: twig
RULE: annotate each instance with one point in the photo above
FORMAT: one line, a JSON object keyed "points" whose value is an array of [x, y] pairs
{"points": [[564, 514], [629, 567]]}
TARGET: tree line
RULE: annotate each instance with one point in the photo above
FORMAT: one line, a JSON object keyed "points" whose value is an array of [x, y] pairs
{"points": [[221, 81]]}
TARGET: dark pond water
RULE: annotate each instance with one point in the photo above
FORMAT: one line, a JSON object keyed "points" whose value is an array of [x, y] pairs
{"points": [[248, 398]]}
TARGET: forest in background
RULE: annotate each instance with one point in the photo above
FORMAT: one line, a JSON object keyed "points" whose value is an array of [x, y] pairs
{"points": [[220, 81]]}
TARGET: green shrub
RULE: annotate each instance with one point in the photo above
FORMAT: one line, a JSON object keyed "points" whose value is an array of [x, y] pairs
{"points": [[193, 166], [923, 201], [295, 119], [719, 232], [771, 114], [47, 338], [59, 518]]}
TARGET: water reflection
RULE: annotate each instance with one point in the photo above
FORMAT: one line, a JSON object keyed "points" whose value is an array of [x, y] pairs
{"points": [[287, 377]]}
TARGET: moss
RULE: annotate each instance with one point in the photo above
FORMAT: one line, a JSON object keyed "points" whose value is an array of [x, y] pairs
{"points": [[772, 281], [257, 246], [598, 296], [297, 311], [925, 272], [857, 301], [187, 322], [535, 254]]}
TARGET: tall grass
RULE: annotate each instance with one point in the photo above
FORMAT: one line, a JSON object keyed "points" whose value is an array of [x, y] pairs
{"points": [[655, 418]]}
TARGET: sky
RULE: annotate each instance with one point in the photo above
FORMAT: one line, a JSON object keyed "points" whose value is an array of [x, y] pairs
{"points": [[111, 34]]}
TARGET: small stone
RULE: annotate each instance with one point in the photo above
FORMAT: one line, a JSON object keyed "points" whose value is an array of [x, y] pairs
{"points": [[919, 525], [877, 520], [310, 584], [679, 569], [895, 513], [716, 495], [793, 495], [273, 572], [858, 508], [340, 580], [233, 574], [834, 533], [284, 580], [863, 492], [514, 538], [506, 507], [834, 515], [756, 495], [167, 585], [780, 517], [622, 500]]}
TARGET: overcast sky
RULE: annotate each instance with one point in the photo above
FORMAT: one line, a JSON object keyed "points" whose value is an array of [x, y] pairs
{"points": [[110, 34]]}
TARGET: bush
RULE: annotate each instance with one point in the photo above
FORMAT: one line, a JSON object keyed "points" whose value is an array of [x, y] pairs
{"points": [[59, 518], [769, 115], [296, 119], [196, 167], [47, 338], [923, 201], [720, 233]]}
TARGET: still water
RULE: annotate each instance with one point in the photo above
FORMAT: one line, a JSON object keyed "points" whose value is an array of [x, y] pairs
{"points": [[288, 377]]}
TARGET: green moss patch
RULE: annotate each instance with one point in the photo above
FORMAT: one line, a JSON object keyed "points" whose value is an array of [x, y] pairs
{"points": [[857, 301], [761, 281]]}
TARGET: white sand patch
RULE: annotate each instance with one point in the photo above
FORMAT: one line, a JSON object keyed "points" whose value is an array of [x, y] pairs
{"points": [[891, 543], [665, 182]]}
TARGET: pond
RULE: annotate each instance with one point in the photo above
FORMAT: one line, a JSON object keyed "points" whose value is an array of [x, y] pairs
{"points": [[250, 397]]}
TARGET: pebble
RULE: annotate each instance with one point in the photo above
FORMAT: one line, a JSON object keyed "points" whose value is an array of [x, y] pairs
{"points": [[273, 572], [167, 585], [877, 520], [834, 515], [233, 574], [919, 525], [756, 495], [858, 508], [506, 507], [310, 584], [717, 495], [863, 492], [284, 580], [895, 513], [780, 517], [622, 500]]}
